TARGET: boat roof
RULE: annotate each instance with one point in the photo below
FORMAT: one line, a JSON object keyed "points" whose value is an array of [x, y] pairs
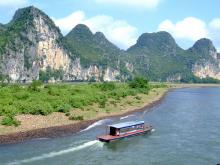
{"points": [[126, 124]]}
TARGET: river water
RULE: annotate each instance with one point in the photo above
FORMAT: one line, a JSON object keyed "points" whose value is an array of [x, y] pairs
{"points": [[186, 132]]}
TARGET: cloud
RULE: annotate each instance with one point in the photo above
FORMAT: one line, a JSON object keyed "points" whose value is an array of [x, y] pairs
{"points": [[189, 28], [131, 3], [118, 32], [70, 21], [12, 3], [215, 23], [214, 32]]}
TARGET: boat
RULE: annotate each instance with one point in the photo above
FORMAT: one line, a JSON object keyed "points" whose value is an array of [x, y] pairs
{"points": [[125, 129]]}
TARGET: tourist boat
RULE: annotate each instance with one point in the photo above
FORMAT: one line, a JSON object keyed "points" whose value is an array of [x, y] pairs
{"points": [[126, 129]]}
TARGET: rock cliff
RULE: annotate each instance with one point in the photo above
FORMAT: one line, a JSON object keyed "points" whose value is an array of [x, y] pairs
{"points": [[208, 61], [33, 44]]}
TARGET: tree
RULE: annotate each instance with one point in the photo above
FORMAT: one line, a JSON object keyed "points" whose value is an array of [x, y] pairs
{"points": [[34, 86], [139, 82]]}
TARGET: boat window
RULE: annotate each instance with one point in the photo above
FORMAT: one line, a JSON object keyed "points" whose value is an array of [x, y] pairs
{"points": [[132, 128]]}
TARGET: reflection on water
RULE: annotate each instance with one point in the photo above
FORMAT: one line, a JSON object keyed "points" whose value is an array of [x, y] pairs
{"points": [[187, 132]]}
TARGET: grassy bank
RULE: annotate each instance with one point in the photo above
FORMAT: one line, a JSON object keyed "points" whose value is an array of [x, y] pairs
{"points": [[39, 105]]}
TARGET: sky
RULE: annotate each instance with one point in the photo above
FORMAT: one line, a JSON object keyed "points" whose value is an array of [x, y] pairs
{"points": [[123, 21]]}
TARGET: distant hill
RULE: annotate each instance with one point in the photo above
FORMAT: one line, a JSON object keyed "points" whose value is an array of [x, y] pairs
{"points": [[92, 48], [158, 57]]}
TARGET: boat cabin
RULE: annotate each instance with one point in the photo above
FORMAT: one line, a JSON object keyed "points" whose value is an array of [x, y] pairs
{"points": [[122, 128]]}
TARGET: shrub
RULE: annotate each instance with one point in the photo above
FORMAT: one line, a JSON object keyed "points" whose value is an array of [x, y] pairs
{"points": [[139, 82], [113, 93], [8, 110], [113, 102], [124, 94], [41, 108], [64, 108], [53, 91], [138, 97], [23, 107], [79, 101], [159, 85], [10, 121], [44, 76], [76, 102], [16, 87], [1, 110], [129, 102], [21, 95], [35, 86], [107, 86], [67, 114], [102, 101], [2, 84], [76, 118], [92, 79], [132, 92], [107, 110]]}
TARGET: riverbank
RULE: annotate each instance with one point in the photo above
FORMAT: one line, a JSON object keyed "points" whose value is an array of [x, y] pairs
{"points": [[57, 124]]}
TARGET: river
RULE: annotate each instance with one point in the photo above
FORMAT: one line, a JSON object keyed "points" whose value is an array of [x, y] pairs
{"points": [[186, 132]]}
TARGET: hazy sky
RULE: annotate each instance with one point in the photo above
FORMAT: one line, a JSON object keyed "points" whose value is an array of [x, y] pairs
{"points": [[122, 21]]}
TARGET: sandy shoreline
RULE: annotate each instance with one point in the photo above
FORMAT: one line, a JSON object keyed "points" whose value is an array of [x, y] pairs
{"points": [[65, 130]]}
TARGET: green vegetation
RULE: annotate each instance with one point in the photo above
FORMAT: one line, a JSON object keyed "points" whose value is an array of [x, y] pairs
{"points": [[105, 86], [40, 99], [76, 118], [34, 86], [194, 79], [10, 121], [139, 82]]}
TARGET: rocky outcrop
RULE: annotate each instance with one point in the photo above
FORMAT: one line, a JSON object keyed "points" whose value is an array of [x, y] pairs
{"points": [[174, 78], [36, 44], [129, 66], [208, 64], [93, 72], [206, 69]]}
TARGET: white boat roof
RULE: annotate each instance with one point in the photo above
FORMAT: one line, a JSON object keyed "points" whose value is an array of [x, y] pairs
{"points": [[126, 124]]}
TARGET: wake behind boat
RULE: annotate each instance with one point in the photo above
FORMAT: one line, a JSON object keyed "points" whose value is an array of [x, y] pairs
{"points": [[126, 129]]}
